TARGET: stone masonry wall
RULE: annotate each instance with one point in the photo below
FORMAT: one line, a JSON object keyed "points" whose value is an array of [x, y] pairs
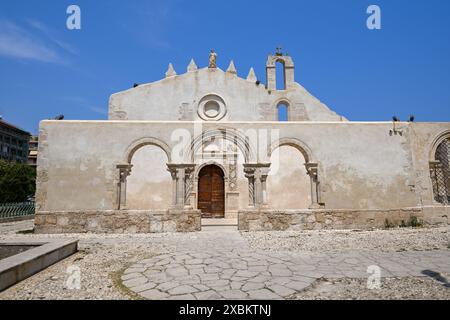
{"points": [[283, 220], [118, 221]]}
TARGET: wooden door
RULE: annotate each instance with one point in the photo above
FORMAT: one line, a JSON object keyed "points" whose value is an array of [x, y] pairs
{"points": [[211, 192]]}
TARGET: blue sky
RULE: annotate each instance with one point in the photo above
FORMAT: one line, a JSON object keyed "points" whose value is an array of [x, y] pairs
{"points": [[402, 69]]}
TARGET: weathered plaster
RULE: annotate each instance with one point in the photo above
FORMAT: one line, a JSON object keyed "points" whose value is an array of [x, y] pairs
{"points": [[159, 134]]}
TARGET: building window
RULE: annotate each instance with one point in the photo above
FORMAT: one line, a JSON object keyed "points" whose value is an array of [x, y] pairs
{"points": [[282, 110], [440, 173]]}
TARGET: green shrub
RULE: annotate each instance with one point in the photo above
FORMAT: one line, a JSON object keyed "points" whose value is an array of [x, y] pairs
{"points": [[388, 224], [415, 223], [17, 182]]}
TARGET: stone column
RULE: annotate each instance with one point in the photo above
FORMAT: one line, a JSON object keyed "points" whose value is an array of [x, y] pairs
{"points": [[312, 169], [257, 183], [180, 187], [264, 172], [124, 172], [181, 184], [173, 173], [188, 184], [250, 175]]}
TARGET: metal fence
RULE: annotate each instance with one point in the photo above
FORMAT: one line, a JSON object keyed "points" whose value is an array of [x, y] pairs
{"points": [[16, 210]]}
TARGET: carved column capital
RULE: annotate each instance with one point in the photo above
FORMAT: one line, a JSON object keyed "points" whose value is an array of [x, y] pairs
{"points": [[124, 172], [435, 164], [257, 173], [312, 169], [182, 176], [124, 169]]}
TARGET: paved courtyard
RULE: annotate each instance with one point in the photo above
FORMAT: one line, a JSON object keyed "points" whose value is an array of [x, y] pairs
{"points": [[225, 264], [221, 265]]}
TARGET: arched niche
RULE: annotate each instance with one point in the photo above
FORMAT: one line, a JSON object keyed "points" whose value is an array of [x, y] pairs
{"points": [[440, 168]]}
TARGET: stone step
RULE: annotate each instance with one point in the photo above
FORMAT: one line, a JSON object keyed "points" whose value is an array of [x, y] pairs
{"points": [[219, 228], [219, 222]]}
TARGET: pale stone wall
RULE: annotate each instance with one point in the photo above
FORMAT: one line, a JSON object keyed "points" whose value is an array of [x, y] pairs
{"points": [[289, 186], [149, 186], [117, 221], [361, 166], [360, 173], [179, 98]]}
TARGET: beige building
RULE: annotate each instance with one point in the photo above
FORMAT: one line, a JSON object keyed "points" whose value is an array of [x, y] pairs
{"points": [[33, 151], [208, 144]]}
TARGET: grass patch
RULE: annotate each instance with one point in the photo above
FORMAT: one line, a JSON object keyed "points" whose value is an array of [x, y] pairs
{"points": [[413, 222], [117, 282], [30, 231]]}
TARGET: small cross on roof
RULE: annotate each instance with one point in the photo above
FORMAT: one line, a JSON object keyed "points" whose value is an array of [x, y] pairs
{"points": [[279, 53]]}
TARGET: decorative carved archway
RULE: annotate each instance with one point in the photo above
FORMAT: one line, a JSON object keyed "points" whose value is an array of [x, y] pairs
{"points": [[232, 135]]}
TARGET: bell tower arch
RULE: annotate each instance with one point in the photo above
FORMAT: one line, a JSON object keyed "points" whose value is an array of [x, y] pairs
{"points": [[271, 73]]}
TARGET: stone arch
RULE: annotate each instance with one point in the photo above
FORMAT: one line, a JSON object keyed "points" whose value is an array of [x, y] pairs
{"points": [[440, 168], [232, 135], [136, 145], [278, 104], [280, 70], [311, 166], [285, 60], [211, 163], [437, 142], [297, 144], [288, 70]]}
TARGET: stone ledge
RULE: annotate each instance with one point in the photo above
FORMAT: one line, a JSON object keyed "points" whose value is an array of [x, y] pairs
{"points": [[23, 265], [327, 219], [17, 219], [118, 221]]}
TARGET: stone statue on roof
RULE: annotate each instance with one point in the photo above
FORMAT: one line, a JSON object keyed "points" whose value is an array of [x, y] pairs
{"points": [[212, 59]]}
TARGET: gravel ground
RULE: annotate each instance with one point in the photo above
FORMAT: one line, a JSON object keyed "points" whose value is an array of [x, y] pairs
{"points": [[102, 258], [391, 289], [393, 240]]}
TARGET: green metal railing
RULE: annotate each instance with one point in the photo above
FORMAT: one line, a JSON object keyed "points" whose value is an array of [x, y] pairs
{"points": [[14, 210]]}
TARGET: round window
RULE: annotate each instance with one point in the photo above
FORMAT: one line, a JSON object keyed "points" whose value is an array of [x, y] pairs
{"points": [[212, 108]]}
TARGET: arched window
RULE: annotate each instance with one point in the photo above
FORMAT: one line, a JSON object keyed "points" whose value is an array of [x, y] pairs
{"points": [[282, 111], [280, 75], [440, 173]]}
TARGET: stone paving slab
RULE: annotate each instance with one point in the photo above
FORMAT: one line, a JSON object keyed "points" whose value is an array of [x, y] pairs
{"points": [[221, 265]]}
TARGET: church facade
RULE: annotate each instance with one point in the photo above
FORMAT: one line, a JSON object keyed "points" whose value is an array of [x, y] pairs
{"points": [[208, 144]]}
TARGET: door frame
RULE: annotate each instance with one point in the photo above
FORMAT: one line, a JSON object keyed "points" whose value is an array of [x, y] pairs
{"points": [[217, 172], [198, 168]]}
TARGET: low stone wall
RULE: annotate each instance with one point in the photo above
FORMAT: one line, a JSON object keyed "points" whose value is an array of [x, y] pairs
{"points": [[17, 219], [280, 220], [118, 221]]}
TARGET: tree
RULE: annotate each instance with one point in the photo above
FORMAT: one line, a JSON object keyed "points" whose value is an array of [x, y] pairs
{"points": [[17, 182]]}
